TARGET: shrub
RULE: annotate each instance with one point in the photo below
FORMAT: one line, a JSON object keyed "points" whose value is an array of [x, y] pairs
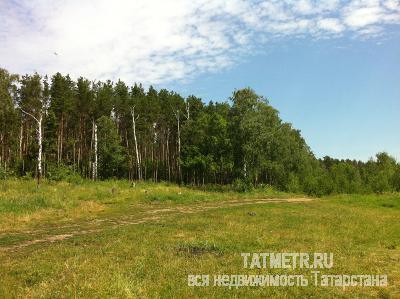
{"points": [[240, 185], [3, 174], [293, 184], [63, 173], [312, 186], [28, 176]]}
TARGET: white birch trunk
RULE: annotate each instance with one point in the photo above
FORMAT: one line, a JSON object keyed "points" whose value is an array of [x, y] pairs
{"points": [[20, 140], [168, 157], [179, 146], [95, 163], [187, 110], [39, 121], [40, 142], [136, 143]]}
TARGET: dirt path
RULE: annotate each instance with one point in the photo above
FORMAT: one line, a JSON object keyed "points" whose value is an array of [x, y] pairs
{"points": [[47, 235]]}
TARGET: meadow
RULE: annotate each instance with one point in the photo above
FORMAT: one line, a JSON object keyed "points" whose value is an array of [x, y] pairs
{"points": [[123, 240]]}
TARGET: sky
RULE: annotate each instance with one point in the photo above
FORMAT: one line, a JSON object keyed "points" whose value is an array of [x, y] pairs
{"points": [[332, 68]]}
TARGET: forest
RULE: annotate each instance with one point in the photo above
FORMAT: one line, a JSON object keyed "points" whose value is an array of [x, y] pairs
{"points": [[60, 129]]}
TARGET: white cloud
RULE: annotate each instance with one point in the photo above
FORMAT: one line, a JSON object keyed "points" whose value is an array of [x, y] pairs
{"points": [[392, 4], [159, 41], [361, 17], [304, 6], [331, 24], [360, 14]]}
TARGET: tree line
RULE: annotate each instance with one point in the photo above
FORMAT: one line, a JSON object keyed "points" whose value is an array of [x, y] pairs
{"points": [[57, 127]]}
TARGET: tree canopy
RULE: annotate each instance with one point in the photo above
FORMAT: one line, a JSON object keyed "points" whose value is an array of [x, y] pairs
{"points": [[170, 138]]}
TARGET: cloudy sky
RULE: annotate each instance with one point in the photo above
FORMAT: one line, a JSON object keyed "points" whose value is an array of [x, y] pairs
{"points": [[331, 67]]}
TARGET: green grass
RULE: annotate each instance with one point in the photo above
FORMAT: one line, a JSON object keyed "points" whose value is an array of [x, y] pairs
{"points": [[24, 205], [153, 259]]}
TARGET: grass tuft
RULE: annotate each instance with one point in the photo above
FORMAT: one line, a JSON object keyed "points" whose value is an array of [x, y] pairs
{"points": [[198, 248]]}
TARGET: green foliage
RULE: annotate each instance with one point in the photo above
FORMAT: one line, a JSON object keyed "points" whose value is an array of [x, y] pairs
{"points": [[112, 158], [8, 113], [28, 176], [396, 179], [346, 178], [6, 173], [241, 185], [240, 143], [3, 174], [63, 173], [311, 186], [293, 185]]}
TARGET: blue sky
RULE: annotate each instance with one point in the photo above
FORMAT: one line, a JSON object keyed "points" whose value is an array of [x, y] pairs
{"points": [[331, 67], [344, 95]]}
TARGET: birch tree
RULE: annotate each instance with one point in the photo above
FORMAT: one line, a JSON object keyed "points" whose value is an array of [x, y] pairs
{"points": [[178, 121], [33, 104], [175, 139], [96, 157], [134, 119]]}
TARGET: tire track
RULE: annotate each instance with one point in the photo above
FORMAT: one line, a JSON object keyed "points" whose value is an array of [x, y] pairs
{"points": [[152, 215]]}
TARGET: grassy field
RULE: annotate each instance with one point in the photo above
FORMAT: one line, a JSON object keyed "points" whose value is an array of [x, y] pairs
{"points": [[115, 239]]}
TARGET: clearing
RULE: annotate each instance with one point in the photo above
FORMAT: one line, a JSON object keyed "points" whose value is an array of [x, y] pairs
{"points": [[115, 239]]}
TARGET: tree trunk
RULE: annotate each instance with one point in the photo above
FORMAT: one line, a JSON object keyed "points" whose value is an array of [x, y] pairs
{"points": [[39, 121], [179, 147], [40, 142], [168, 157], [139, 171], [94, 175], [61, 138], [20, 140]]}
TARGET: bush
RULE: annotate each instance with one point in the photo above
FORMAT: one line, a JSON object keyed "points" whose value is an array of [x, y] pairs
{"points": [[28, 176], [313, 187], [3, 174], [293, 184], [63, 173], [396, 180], [240, 185]]}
